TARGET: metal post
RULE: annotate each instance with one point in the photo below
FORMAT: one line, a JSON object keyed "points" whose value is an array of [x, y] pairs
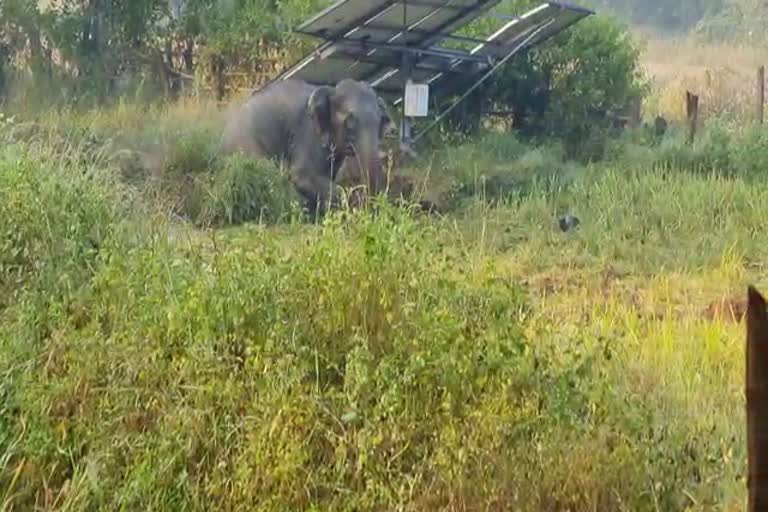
{"points": [[406, 123], [761, 94], [406, 70]]}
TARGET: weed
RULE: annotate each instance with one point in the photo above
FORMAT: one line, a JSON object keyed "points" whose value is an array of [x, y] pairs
{"points": [[244, 189]]}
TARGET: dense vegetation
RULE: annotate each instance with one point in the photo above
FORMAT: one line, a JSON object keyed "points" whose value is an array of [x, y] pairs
{"points": [[372, 362], [174, 334]]}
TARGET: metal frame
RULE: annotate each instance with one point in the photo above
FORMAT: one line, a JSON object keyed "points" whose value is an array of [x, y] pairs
{"points": [[409, 51]]}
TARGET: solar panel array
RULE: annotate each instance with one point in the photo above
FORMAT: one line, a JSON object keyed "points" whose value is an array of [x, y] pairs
{"points": [[367, 41]]}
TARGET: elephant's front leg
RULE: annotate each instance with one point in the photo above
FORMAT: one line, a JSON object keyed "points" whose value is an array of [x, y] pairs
{"points": [[318, 190]]}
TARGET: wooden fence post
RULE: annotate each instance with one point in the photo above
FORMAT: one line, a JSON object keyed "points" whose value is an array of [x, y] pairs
{"points": [[692, 112], [636, 114], [761, 94], [188, 56], [757, 401], [4, 56]]}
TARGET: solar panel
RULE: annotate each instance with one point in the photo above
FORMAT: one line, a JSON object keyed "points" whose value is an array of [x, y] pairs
{"points": [[385, 22], [537, 25], [393, 24], [372, 41], [564, 16], [367, 43]]}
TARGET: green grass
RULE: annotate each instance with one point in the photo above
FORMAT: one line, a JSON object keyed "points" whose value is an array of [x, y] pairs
{"points": [[477, 360]]}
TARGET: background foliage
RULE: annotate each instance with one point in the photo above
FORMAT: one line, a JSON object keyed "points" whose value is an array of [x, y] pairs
{"points": [[572, 88], [98, 49]]}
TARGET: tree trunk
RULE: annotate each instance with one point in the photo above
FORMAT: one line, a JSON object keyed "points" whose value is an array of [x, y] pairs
{"points": [[188, 55], [163, 73], [171, 77], [217, 68], [37, 62]]}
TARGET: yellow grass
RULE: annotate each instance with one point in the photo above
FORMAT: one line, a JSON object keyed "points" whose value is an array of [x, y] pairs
{"points": [[723, 75]]}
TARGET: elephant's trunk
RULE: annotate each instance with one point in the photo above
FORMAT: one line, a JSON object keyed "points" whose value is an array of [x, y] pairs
{"points": [[375, 175], [368, 159]]}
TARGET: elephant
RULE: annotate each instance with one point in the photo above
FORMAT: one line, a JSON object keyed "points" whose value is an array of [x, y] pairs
{"points": [[321, 132]]}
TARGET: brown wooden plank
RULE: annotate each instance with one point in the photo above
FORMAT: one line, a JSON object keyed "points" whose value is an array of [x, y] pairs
{"points": [[757, 401], [761, 94], [692, 113]]}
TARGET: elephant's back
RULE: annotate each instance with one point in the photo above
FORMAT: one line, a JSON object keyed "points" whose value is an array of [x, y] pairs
{"points": [[265, 124], [285, 97]]}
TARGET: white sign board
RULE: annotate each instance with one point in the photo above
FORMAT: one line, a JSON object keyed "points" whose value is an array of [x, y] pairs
{"points": [[416, 99]]}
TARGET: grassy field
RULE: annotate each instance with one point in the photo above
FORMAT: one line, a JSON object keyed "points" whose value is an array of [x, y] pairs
{"points": [[156, 354]]}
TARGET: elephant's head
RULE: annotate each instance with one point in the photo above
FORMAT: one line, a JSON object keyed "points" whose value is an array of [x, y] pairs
{"points": [[353, 120]]}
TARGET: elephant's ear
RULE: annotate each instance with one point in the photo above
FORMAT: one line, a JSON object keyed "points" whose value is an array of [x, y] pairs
{"points": [[386, 119], [319, 108]]}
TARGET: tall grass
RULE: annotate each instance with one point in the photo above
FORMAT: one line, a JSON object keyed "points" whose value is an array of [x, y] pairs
{"points": [[484, 360]]}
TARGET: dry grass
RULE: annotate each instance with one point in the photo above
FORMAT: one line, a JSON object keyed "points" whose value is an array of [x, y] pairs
{"points": [[723, 75]]}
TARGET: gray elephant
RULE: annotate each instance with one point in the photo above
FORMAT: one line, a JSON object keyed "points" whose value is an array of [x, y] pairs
{"points": [[322, 133]]}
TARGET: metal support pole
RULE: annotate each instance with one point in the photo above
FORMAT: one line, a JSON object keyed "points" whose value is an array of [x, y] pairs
{"points": [[406, 69], [406, 123]]}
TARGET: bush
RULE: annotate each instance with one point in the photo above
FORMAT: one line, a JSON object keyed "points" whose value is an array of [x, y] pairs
{"points": [[206, 188], [177, 184], [495, 166], [719, 148], [243, 189], [751, 153], [54, 220]]}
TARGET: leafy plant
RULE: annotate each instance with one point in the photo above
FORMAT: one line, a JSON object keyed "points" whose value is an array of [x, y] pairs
{"points": [[243, 189]]}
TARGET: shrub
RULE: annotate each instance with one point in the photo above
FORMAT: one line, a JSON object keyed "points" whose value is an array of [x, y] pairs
{"points": [[495, 166], [197, 183], [243, 189], [190, 153], [54, 220], [178, 184], [750, 156], [719, 148]]}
